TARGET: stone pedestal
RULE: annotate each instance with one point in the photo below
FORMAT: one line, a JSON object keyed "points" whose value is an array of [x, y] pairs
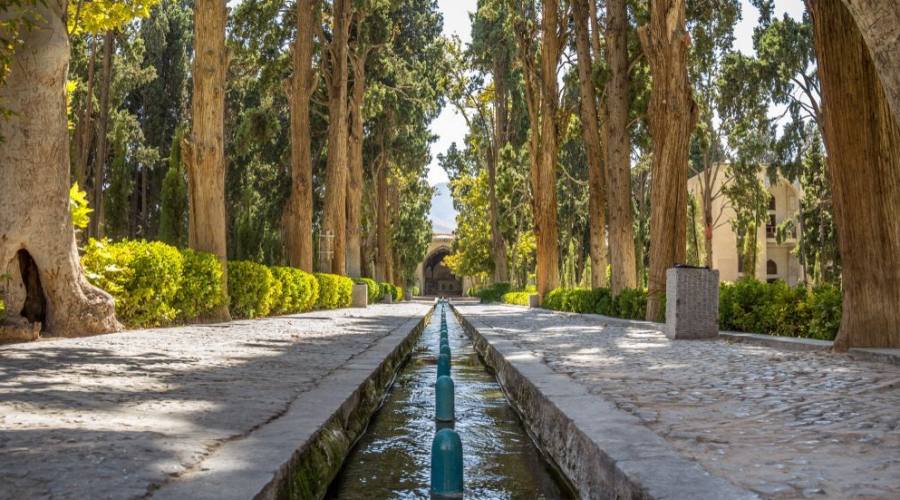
{"points": [[360, 297], [534, 300], [692, 303], [388, 299]]}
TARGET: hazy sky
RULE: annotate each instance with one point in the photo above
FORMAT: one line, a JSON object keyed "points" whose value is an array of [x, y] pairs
{"points": [[450, 127]]}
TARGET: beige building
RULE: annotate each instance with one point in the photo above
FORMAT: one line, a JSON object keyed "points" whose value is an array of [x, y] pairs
{"points": [[774, 261]]}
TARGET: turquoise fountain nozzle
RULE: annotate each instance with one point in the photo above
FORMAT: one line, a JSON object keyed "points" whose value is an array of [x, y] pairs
{"points": [[445, 348], [443, 365], [446, 465], [444, 399]]}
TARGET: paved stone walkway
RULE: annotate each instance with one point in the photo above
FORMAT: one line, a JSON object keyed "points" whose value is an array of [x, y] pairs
{"points": [[783, 424], [115, 416]]}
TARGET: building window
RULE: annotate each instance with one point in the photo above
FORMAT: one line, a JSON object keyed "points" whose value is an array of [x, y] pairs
{"points": [[771, 226], [740, 263], [772, 203], [771, 267]]}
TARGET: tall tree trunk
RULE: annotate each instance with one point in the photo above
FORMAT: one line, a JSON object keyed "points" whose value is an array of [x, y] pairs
{"points": [[879, 23], [593, 144], [44, 281], [863, 141], [673, 115], [85, 129], [498, 246], [382, 222], [355, 181], [334, 220], [102, 154], [544, 180], [298, 228], [203, 150], [618, 153]]}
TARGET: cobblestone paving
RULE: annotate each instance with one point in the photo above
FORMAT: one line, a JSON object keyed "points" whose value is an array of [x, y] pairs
{"points": [[113, 416], [783, 424]]}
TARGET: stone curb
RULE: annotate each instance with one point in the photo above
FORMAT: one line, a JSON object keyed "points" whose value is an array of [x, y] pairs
{"points": [[603, 452], [299, 453], [891, 356]]}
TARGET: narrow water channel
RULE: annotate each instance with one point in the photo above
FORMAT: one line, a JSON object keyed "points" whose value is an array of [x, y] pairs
{"points": [[393, 459]]}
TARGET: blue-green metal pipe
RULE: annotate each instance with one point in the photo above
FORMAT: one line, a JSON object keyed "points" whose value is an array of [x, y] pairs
{"points": [[445, 348], [446, 465], [443, 366], [444, 409]]}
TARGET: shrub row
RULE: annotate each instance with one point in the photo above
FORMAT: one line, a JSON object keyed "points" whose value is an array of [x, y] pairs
{"points": [[156, 284], [2, 311], [630, 304], [490, 293], [153, 283], [748, 305]]}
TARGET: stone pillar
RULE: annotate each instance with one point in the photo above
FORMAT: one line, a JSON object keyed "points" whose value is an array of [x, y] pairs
{"points": [[534, 301], [360, 297], [692, 303]]}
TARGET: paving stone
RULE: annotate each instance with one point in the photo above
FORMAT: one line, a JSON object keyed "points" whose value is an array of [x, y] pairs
{"points": [[115, 416], [784, 424]]}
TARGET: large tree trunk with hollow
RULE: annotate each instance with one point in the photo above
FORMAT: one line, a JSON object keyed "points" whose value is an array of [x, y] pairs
{"points": [[203, 149], [298, 229], [544, 180], [334, 219], [863, 142], [618, 153], [879, 23], [593, 145], [355, 180], [45, 282], [673, 115]]}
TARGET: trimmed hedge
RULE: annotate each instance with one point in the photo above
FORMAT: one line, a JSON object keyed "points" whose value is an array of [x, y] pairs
{"points": [[334, 291], [252, 288], [143, 277], [747, 305], [299, 290], [201, 285], [490, 293], [389, 289], [373, 291]]}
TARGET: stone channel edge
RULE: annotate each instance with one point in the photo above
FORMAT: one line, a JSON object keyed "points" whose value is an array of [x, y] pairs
{"points": [[604, 452], [298, 455]]}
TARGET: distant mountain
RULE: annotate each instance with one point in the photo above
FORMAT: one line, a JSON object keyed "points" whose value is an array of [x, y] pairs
{"points": [[442, 215]]}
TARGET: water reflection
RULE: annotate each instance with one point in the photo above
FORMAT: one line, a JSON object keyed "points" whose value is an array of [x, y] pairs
{"points": [[393, 459]]}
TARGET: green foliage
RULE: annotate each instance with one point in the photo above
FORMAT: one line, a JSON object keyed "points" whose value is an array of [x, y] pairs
{"points": [[143, 277], [201, 285], [299, 290], [174, 199], [252, 289], [78, 207], [373, 290], [749, 305], [334, 291], [630, 304], [516, 298], [2, 311], [490, 293], [388, 290]]}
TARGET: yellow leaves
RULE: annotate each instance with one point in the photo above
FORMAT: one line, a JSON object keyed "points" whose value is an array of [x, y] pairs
{"points": [[71, 86], [98, 16], [78, 207]]}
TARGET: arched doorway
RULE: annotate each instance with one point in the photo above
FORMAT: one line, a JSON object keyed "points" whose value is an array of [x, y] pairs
{"points": [[439, 280]]}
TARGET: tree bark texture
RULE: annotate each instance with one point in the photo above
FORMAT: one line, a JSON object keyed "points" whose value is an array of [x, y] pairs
{"points": [[84, 131], [593, 143], [879, 23], [102, 154], [544, 180], [498, 246], [618, 153], [37, 240], [334, 219], [355, 180], [203, 149], [382, 222], [298, 229], [673, 115], [863, 141]]}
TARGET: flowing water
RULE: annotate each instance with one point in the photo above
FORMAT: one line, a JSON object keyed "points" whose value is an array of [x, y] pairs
{"points": [[393, 458]]}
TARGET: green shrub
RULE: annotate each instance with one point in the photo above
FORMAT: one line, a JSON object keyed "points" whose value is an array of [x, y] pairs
{"points": [[414, 291], [516, 298], [388, 289], [2, 311], [252, 289], [143, 278], [297, 288], [373, 291], [201, 285], [310, 291], [824, 305], [490, 293], [631, 304], [398, 294], [334, 291]]}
